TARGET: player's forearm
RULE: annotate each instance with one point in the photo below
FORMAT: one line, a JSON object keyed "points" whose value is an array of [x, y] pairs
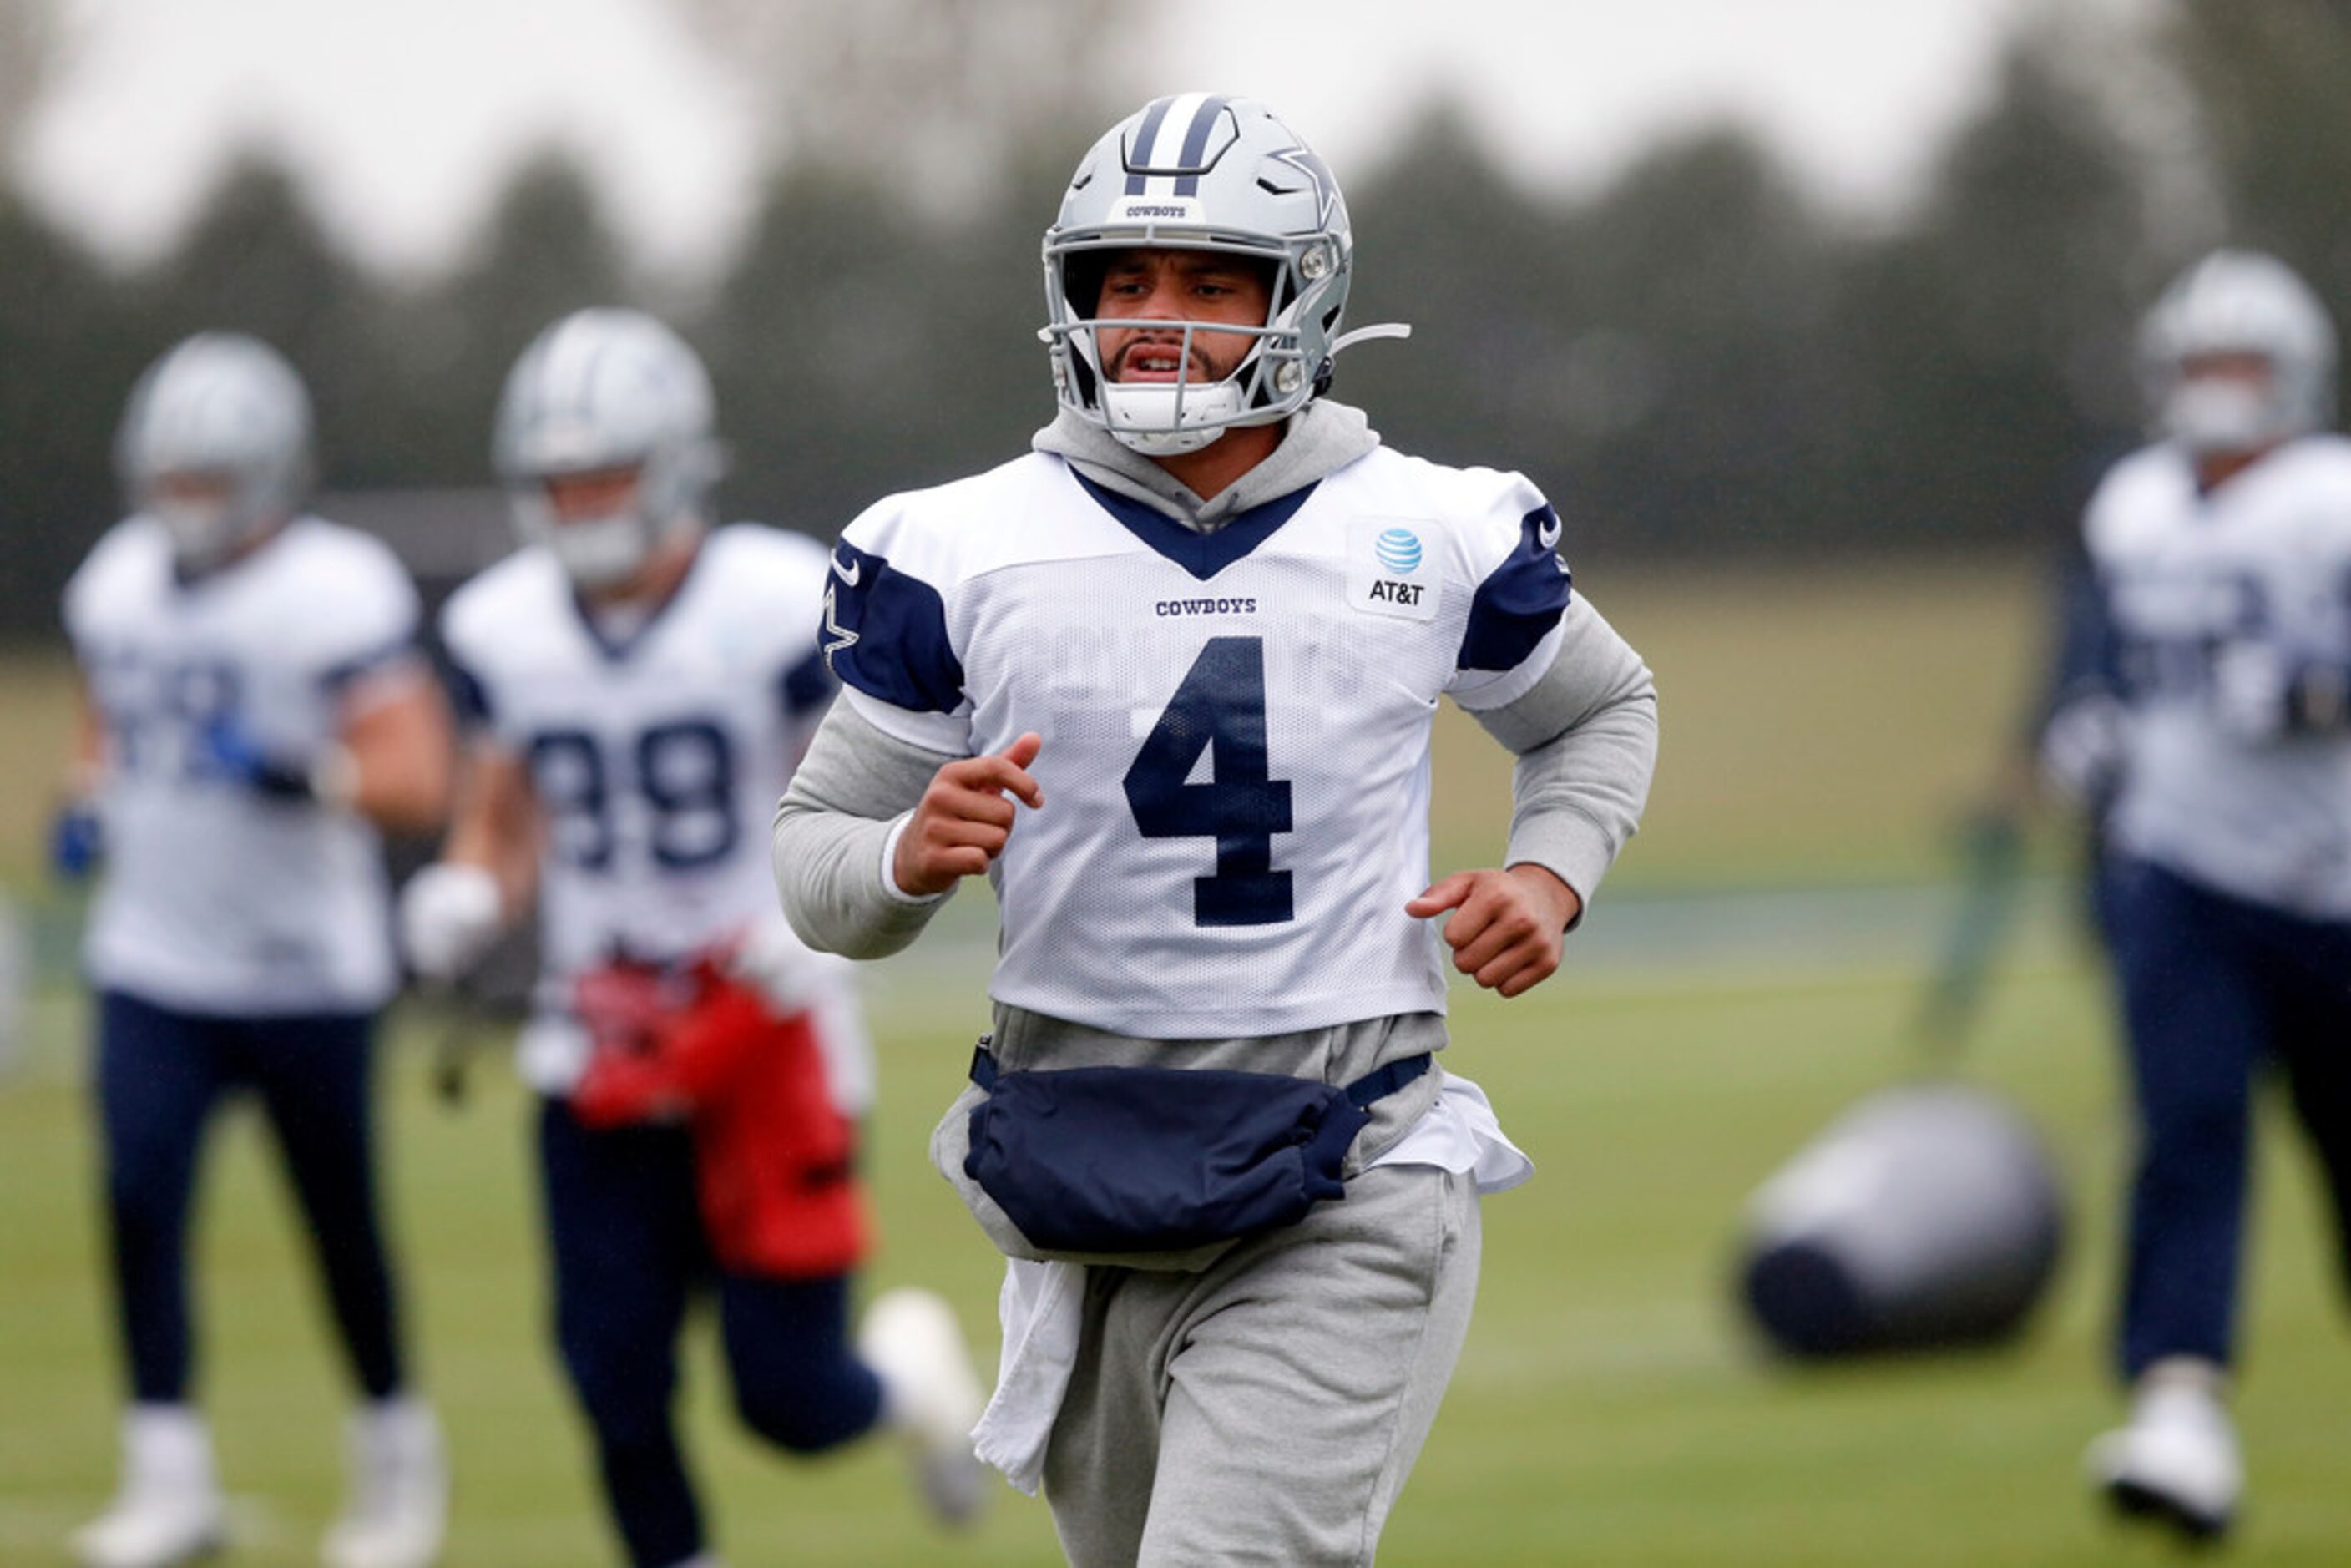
{"points": [[1586, 738], [87, 758], [399, 751], [831, 828], [496, 825], [1576, 801]]}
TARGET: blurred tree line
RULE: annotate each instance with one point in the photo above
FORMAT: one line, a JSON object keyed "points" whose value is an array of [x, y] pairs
{"points": [[1695, 360]]}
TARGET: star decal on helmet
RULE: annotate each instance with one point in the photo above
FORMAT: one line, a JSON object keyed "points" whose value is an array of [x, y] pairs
{"points": [[1309, 162]]}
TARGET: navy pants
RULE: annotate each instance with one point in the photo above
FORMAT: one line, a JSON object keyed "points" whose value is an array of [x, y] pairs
{"points": [[161, 1074], [629, 1258], [2216, 991]]}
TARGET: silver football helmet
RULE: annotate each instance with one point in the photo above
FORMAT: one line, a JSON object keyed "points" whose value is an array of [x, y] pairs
{"points": [[2238, 303], [226, 409], [1202, 172], [603, 390]]}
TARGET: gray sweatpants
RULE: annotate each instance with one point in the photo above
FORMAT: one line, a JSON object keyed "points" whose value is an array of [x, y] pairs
{"points": [[1268, 1408]]}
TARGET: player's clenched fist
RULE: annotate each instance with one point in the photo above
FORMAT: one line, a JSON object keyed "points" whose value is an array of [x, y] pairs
{"points": [[964, 819], [1507, 925]]}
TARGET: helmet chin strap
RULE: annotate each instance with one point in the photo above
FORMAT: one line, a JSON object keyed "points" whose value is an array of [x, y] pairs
{"points": [[1365, 334]]}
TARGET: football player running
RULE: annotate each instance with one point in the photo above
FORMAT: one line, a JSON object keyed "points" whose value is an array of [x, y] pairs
{"points": [[1168, 681], [2225, 551], [636, 686], [255, 711]]}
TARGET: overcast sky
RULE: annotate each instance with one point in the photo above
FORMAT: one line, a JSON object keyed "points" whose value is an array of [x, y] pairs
{"points": [[405, 116]]}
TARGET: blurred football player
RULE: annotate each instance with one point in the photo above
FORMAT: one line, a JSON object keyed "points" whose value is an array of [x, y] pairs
{"points": [[255, 711], [1168, 681], [2224, 553], [637, 688]]}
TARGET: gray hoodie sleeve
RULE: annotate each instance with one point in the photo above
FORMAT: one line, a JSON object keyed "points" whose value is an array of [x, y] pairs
{"points": [[1586, 739], [851, 791]]}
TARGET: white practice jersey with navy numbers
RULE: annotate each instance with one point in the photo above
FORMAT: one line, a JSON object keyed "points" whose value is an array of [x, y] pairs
{"points": [[1236, 761], [656, 757], [218, 899], [2263, 560]]}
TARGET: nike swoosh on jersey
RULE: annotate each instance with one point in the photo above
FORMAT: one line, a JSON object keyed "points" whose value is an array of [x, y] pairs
{"points": [[847, 573]]}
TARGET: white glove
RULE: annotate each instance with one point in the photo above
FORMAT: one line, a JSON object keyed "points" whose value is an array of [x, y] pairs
{"points": [[449, 917]]}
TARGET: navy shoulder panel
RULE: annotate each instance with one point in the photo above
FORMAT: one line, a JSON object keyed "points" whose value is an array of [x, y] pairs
{"points": [[1520, 600], [885, 634]]}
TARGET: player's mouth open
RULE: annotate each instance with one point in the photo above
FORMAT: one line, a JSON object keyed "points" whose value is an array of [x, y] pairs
{"points": [[1155, 362]]}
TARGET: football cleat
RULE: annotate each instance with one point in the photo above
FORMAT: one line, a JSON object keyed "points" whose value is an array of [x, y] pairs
{"points": [[170, 1509], [153, 1530], [399, 1503], [2177, 1462]]}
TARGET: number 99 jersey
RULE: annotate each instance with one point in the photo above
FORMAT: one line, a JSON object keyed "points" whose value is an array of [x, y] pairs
{"points": [[656, 759], [1236, 724]]}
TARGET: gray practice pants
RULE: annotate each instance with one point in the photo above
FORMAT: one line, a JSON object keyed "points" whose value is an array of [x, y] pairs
{"points": [[1268, 1408]]}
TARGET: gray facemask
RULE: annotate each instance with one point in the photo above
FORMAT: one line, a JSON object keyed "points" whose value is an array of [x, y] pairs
{"points": [[2209, 414]]}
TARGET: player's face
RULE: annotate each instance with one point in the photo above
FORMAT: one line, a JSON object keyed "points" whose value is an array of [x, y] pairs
{"points": [[1178, 286], [195, 490], [582, 498], [198, 510], [2236, 367]]}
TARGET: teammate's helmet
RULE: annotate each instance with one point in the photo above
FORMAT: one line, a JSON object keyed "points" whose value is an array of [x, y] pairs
{"points": [[1201, 171], [2239, 302], [603, 390], [222, 407]]}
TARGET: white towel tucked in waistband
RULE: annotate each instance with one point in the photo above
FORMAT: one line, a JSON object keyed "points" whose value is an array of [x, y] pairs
{"points": [[1042, 1308]]}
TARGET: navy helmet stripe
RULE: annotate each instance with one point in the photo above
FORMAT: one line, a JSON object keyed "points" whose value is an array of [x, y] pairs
{"points": [[1195, 143], [591, 364], [1138, 154]]}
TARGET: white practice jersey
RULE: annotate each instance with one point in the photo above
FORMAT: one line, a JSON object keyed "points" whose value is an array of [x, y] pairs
{"points": [[217, 899], [656, 761], [2264, 559], [1236, 762]]}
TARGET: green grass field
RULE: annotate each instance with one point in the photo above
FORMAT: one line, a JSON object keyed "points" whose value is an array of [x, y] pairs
{"points": [[1609, 1408]]}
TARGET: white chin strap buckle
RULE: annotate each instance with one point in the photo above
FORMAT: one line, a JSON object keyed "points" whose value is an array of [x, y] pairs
{"points": [[1164, 420]]}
